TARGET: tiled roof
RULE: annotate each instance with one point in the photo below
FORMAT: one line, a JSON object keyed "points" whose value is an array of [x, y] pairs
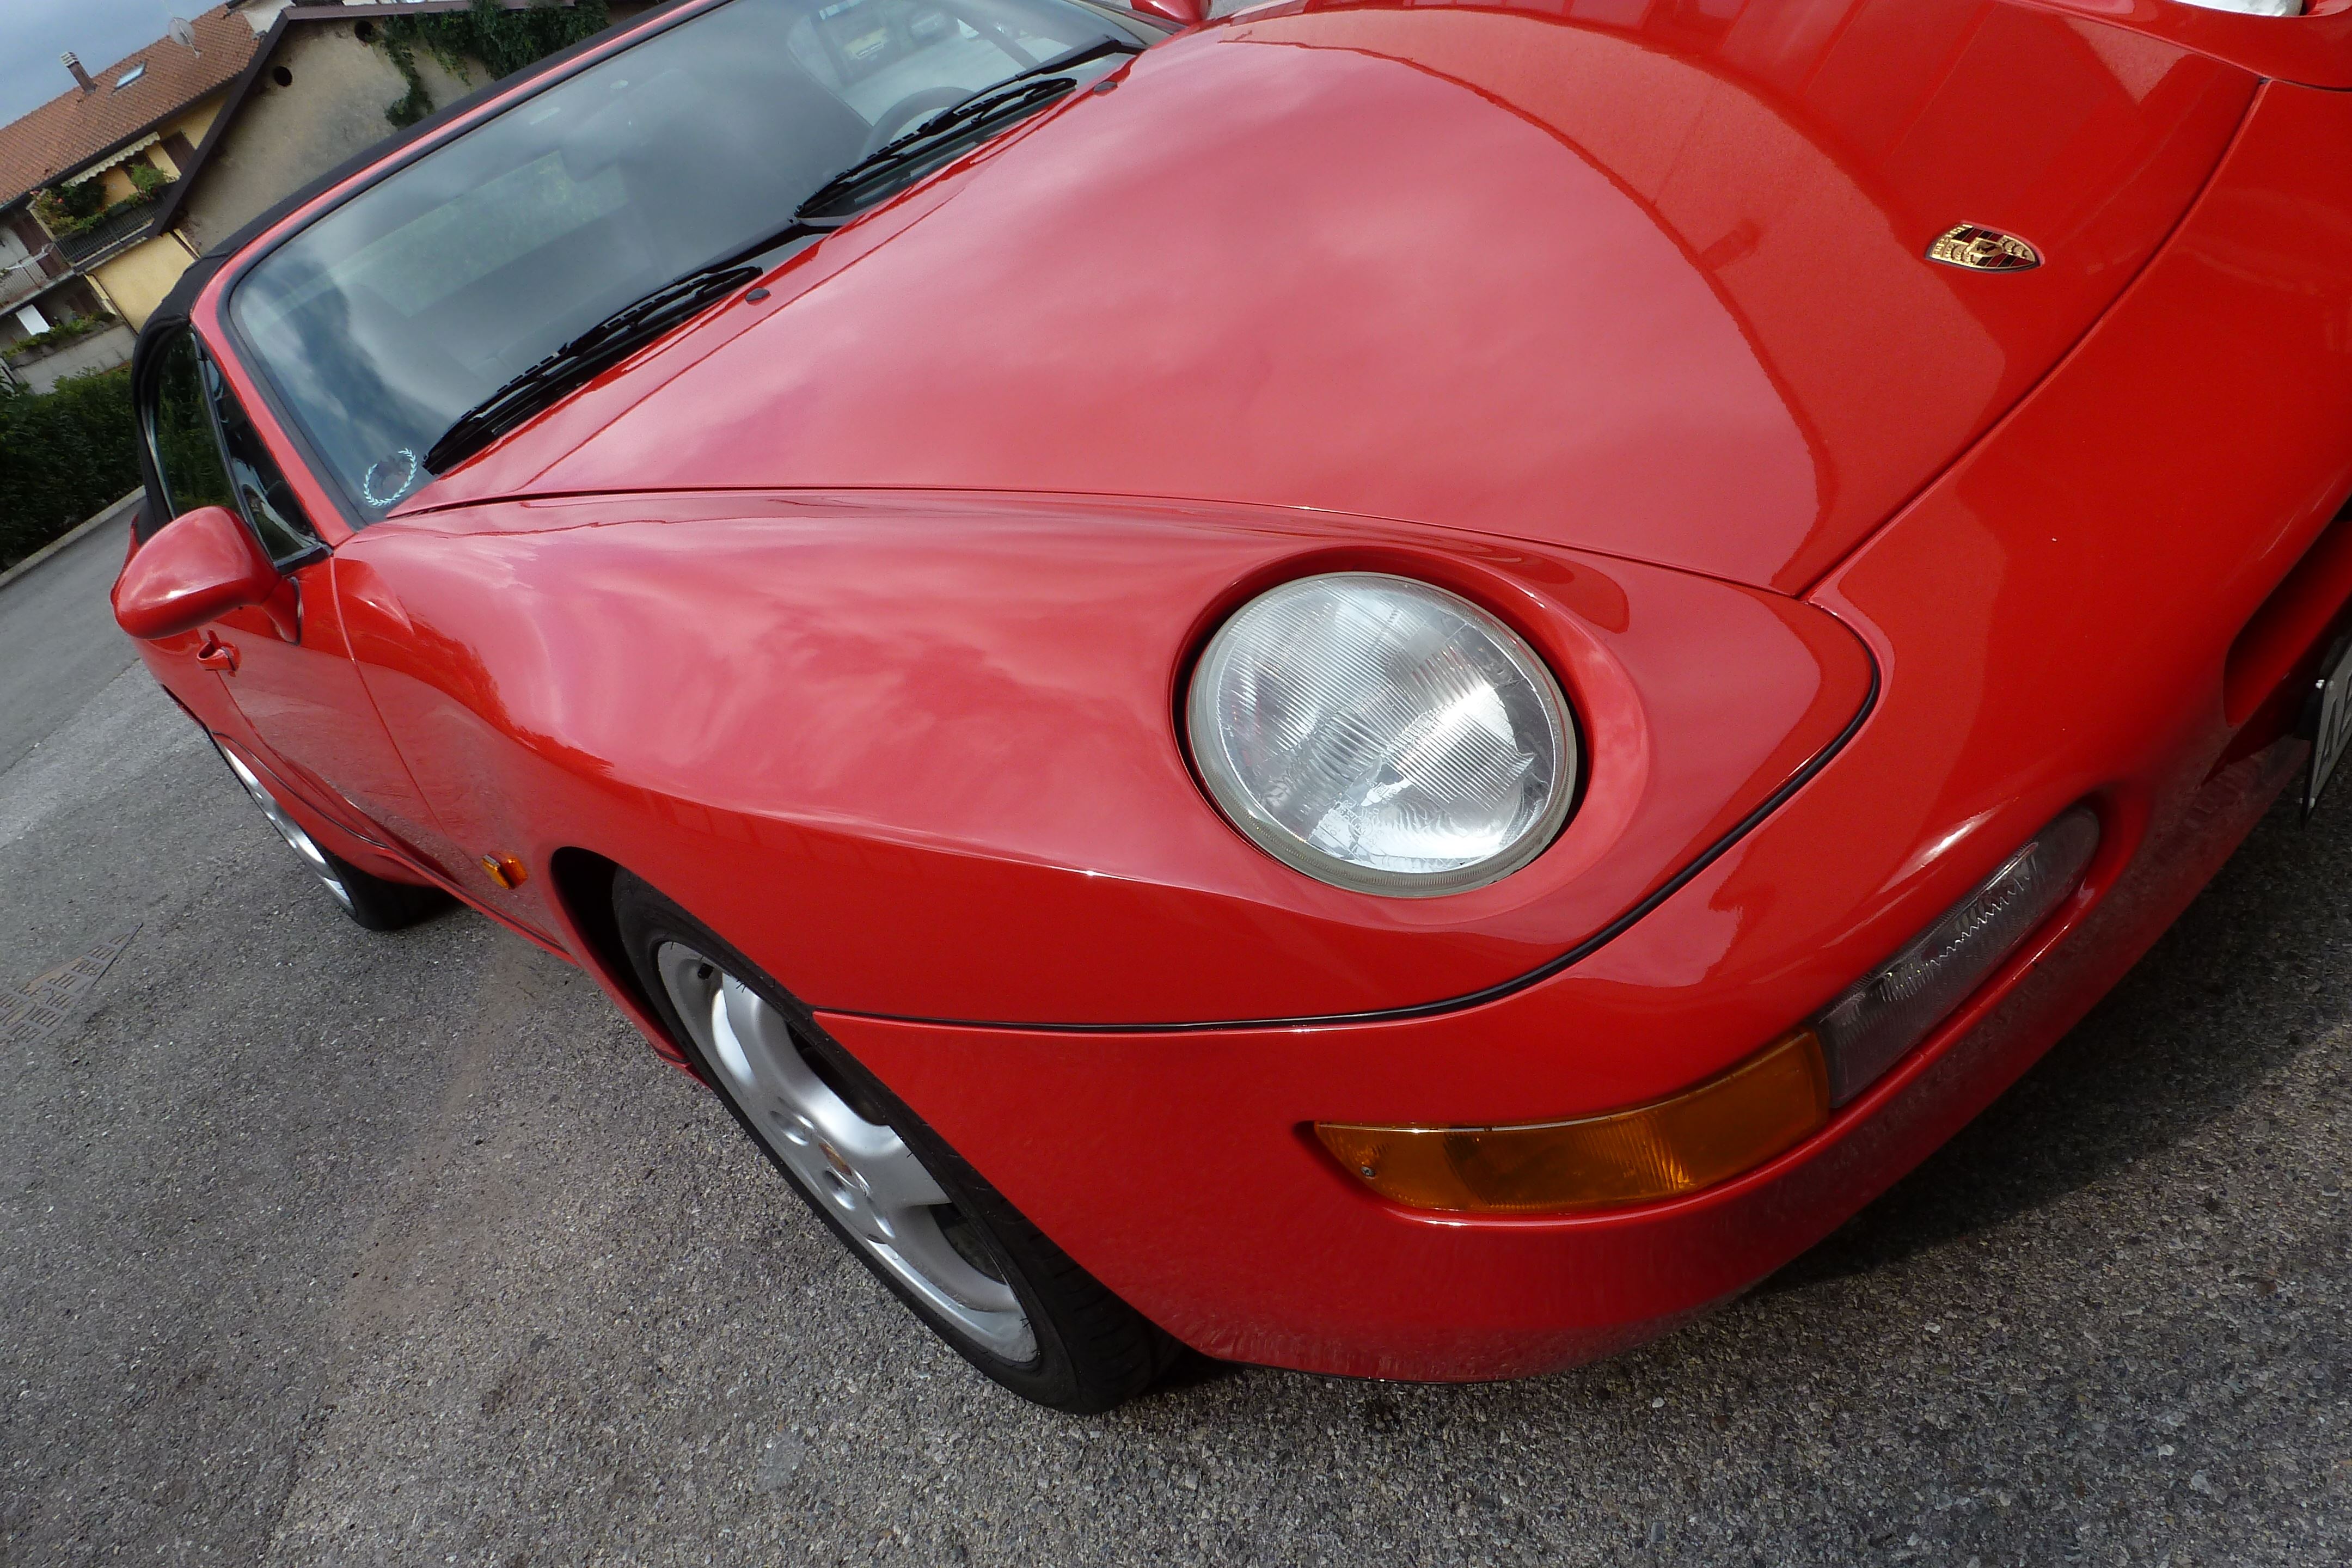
{"points": [[76, 127]]}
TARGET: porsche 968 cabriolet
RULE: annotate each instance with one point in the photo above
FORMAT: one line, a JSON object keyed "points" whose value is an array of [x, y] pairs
{"points": [[1397, 689]]}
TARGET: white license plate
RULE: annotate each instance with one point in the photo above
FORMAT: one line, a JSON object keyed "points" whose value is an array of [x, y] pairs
{"points": [[2330, 724]]}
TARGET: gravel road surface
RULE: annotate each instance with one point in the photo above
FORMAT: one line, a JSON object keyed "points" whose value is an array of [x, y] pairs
{"points": [[325, 1248]]}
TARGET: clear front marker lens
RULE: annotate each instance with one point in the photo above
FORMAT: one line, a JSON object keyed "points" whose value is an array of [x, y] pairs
{"points": [[1882, 1016], [1383, 735]]}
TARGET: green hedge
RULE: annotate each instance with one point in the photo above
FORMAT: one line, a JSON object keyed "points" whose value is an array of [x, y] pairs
{"points": [[64, 456]]}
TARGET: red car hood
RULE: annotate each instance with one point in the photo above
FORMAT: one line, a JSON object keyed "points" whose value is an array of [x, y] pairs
{"points": [[1656, 291]]}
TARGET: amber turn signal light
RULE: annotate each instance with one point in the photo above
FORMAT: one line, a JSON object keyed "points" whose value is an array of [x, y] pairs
{"points": [[1731, 1123], [507, 870]]}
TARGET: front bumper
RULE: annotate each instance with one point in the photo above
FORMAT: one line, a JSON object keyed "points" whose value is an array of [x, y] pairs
{"points": [[1178, 1171], [2063, 617]]}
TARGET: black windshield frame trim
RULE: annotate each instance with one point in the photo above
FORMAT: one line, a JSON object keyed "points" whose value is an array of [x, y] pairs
{"points": [[318, 549]]}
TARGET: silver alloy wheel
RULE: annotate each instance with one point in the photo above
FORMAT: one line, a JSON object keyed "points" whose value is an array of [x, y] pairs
{"points": [[289, 829], [860, 1170]]}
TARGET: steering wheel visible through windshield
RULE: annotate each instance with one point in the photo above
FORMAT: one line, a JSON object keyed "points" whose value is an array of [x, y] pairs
{"points": [[388, 319]]}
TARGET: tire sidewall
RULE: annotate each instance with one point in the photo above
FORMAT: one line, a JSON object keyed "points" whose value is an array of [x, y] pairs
{"points": [[647, 920], [378, 903]]}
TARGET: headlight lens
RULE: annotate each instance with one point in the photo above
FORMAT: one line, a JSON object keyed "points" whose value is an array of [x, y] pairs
{"points": [[1382, 735]]}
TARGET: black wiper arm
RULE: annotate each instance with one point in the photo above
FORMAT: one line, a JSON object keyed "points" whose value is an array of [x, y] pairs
{"points": [[606, 343], [1083, 55], [836, 198], [802, 228], [1015, 94], [688, 293]]}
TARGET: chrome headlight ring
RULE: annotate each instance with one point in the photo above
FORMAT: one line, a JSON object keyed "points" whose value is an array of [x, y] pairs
{"points": [[1382, 735]]}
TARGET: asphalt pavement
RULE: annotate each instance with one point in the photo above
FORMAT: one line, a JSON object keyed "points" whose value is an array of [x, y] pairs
{"points": [[319, 1246], [54, 652]]}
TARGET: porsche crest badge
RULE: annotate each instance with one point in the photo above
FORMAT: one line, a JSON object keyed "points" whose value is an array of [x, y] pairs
{"points": [[1982, 249]]}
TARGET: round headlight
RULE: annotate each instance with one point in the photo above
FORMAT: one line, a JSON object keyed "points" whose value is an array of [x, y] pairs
{"points": [[1382, 735]]}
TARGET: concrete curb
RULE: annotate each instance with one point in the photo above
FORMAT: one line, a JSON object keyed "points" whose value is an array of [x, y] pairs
{"points": [[53, 545]]}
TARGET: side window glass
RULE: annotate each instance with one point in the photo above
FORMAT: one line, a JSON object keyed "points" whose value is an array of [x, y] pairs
{"points": [[180, 430], [269, 504]]}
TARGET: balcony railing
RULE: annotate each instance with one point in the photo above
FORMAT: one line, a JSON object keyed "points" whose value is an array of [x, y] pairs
{"points": [[20, 280], [94, 244]]}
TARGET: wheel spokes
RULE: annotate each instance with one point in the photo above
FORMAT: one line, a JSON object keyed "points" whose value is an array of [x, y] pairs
{"points": [[893, 1178], [861, 1170], [298, 840], [761, 1039], [925, 1244]]}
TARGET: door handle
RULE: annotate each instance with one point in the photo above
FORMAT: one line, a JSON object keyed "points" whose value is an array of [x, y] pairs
{"points": [[217, 655]]}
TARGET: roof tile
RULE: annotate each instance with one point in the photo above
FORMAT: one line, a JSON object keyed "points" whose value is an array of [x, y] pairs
{"points": [[76, 127]]}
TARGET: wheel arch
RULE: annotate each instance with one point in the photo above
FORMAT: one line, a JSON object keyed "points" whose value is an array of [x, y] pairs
{"points": [[583, 882]]}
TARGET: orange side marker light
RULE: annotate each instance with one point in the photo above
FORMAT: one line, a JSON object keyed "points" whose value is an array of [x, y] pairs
{"points": [[1733, 1122]]}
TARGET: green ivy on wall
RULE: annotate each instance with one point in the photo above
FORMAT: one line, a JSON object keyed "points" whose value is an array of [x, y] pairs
{"points": [[503, 41]]}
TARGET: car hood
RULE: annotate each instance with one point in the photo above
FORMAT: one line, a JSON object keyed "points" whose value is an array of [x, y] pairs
{"points": [[1659, 291]]}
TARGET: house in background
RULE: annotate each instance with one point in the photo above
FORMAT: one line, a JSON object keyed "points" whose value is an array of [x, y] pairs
{"points": [[109, 190], [79, 182], [316, 93]]}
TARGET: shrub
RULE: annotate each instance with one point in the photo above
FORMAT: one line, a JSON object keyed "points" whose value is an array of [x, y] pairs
{"points": [[70, 207], [69, 210], [64, 456], [64, 331]]}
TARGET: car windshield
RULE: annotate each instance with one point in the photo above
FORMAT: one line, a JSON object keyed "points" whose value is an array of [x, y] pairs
{"points": [[382, 323]]}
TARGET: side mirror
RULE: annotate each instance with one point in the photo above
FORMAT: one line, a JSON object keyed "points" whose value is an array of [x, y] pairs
{"points": [[1183, 13], [200, 566]]}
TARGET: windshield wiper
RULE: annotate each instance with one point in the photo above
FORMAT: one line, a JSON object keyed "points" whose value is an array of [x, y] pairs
{"points": [[622, 333], [606, 344], [1109, 44], [969, 119], [839, 197]]}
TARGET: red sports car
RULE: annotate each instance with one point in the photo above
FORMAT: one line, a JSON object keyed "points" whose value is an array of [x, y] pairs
{"points": [[1399, 688]]}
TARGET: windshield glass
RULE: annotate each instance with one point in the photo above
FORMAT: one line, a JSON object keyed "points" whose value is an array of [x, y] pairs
{"points": [[384, 321]]}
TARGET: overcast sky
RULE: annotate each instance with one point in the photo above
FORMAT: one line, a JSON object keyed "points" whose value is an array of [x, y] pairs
{"points": [[34, 33]]}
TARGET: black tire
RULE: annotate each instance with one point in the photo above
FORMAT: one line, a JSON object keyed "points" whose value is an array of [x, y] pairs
{"points": [[374, 903], [1093, 1350], [377, 903]]}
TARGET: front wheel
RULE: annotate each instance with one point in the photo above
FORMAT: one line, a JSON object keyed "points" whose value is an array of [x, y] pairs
{"points": [[927, 1224]]}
